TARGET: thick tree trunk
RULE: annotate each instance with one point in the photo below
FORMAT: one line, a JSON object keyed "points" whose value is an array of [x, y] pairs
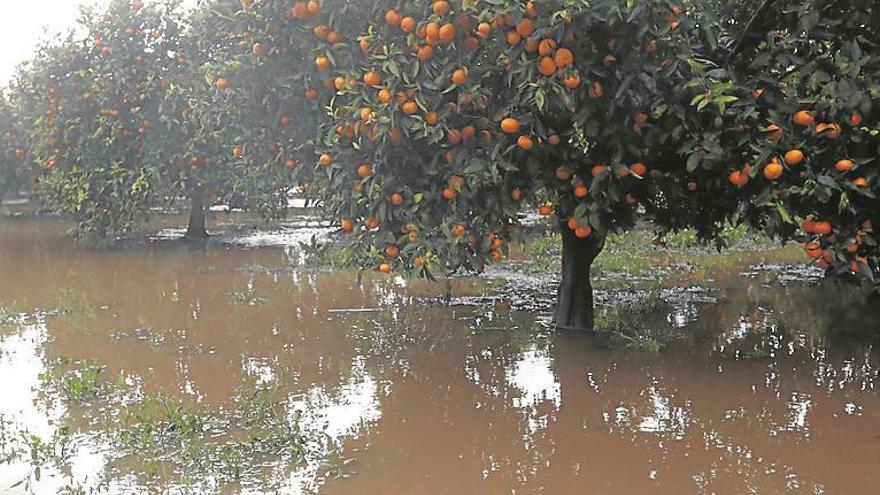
{"points": [[196, 228], [574, 301]]}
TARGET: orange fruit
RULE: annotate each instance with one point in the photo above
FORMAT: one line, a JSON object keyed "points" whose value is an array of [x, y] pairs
{"points": [[483, 29], [325, 160], [396, 199], [372, 78], [525, 27], [440, 8], [258, 49], [855, 119], [425, 52], [409, 107], [861, 182], [392, 251], [449, 193], [580, 192], [364, 170], [290, 163], [546, 66], [572, 80], [365, 45], [546, 47], [393, 17], [794, 157], [384, 96], [222, 83], [545, 210], [459, 77], [408, 25], [314, 7], [830, 131], [238, 152], [323, 63], [447, 33], [583, 232], [774, 132], [431, 118], [639, 169], [598, 170], [525, 142], [844, 165], [813, 249], [822, 228], [573, 223], [333, 37], [804, 118], [596, 90], [458, 230], [773, 170], [563, 57], [419, 260], [739, 178], [513, 38], [347, 225], [553, 139], [510, 125], [385, 268]]}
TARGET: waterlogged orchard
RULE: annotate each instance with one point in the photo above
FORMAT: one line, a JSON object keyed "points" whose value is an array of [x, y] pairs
{"points": [[467, 246]]}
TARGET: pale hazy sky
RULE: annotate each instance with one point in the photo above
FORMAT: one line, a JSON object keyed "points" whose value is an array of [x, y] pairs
{"points": [[24, 23]]}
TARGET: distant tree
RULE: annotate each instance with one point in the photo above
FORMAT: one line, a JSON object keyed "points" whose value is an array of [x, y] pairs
{"points": [[15, 173]]}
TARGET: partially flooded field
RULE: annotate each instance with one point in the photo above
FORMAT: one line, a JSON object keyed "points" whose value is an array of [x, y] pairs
{"points": [[236, 367]]}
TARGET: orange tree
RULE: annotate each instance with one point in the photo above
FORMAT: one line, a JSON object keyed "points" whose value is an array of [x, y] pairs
{"points": [[259, 115], [798, 140], [97, 107], [451, 118], [14, 172]]}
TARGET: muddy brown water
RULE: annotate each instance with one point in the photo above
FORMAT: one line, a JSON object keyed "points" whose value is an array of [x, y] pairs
{"points": [[770, 393]]}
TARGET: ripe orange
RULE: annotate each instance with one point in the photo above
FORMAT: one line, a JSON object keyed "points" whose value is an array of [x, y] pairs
{"points": [[573, 223], [546, 47], [545, 210], [459, 77], [497, 255], [774, 132], [813, 249], [385, 268], [258, 49], [419, 260], [860, 182], [525, 142], [546, 66], [449, 193], [580, 192], [572, 80], [583, 232], [739, 178], [238, 152], [290, 164], [365, 45], [855, 119], [510, 125], [425, 53], [393, 17], [804, 118], [794, 157], [440, 8], [392, 251], [458, 230], [364, 170], [525, 27], [447, 33], [598, 170], [830, 131], [639, 169], [409, 107], [822, 228], [844, 165], [333, 37], [325, 160], [323, 63], [408, 24], [563, 57], [372, 78], [396, 199], [347, 225], [431, 118], [384, 96], [553, 139], [773, 170], [314, 7], [222, 83]]}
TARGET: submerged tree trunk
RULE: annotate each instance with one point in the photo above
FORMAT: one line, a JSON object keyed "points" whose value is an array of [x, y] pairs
{"points": [[196, 228], [574, 300]]}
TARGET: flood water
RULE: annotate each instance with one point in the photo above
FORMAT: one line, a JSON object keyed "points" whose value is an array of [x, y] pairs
{"points": [[771, 390]]}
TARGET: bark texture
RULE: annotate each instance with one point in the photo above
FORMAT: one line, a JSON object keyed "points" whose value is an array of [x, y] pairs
{"points": [[574, 306]]}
